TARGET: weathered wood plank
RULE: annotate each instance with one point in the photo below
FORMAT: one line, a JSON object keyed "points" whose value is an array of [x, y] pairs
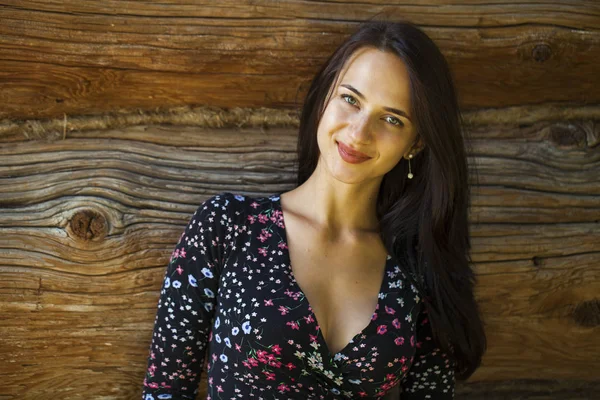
{"points": [[528, 175], [92, 57]]}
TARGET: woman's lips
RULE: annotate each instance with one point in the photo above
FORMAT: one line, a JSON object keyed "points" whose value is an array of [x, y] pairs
{"points": [[351, 156]]}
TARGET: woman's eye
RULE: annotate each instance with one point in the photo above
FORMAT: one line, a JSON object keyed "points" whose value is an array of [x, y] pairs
{"points": [[349, 99], [394, 121]]}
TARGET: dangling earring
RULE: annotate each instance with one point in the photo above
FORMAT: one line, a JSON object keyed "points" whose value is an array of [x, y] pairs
{"points": [[410, 175]]}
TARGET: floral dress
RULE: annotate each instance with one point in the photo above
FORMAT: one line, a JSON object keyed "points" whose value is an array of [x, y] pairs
{"points": [[229, 288]]}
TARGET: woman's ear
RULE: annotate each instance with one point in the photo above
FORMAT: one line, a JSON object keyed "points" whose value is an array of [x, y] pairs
{"points": [[416, 148]]}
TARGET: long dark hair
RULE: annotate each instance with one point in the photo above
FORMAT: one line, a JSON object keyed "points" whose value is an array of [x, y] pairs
{"points": [[423, 220]]}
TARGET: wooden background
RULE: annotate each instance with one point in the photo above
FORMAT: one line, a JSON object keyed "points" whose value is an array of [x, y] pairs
{"points": [[105, 153]]}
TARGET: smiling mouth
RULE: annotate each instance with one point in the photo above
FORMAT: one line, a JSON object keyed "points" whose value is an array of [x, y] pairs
{"points": [[350, 156]]}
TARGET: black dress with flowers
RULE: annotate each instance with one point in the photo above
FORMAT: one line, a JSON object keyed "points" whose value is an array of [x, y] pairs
{"points": [[229, 287]]}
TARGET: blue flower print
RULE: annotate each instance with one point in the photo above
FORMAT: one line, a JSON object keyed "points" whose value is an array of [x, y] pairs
{"points": [[218, 338], [208, 306], [165, 396], [207, 292], [239, 197], [149, 397], [223, 358], [207, 273], [192, 280], [235, 331], [354, 381], [167, 285], [246, 327], [176, 284], [227, 342], [217, 322]]}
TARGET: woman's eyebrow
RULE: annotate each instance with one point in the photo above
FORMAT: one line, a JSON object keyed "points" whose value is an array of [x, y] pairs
{"points": [[362, 96]]}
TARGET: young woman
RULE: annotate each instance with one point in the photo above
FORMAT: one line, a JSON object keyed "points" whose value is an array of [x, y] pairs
{"points": [[356, 284]]}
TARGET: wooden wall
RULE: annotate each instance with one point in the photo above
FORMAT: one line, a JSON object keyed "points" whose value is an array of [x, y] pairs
{"points": [[104, 155]]}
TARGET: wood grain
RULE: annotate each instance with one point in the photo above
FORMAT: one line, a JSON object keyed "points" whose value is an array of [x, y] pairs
{"points": [[73, 57], [87, 225]]}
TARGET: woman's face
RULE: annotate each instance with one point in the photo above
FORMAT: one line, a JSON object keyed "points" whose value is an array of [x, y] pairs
{"points": [[368, 112]]}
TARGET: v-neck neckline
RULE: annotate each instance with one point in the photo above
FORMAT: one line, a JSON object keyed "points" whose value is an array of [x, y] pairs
{"points": [[287, 257]]}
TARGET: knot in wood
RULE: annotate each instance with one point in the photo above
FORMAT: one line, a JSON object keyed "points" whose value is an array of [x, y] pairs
{"points": [[588, 313], [541, 52], [567, 135], [88, 225]]}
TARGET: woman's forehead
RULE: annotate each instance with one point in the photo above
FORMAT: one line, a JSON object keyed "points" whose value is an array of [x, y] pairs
{"points": [[380, 76]]}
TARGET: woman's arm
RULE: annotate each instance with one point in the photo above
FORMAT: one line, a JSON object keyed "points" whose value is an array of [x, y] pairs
{"points": [[187, 305]]}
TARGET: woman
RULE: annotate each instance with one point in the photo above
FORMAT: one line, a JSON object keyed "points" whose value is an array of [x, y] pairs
{"points": [[356, 283]]}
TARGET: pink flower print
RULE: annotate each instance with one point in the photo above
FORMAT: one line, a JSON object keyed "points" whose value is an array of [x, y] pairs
{"points": [[362, 394], [282, 245], [283, 388], [275, 363], [268, 302], [182, 253], [390, 310], [403, 360], [290, 366], [396, 323], [263, 251], [238, 347], [309, 319], [266, 233], [179, 269], [412, 341], [283, 310], [293, 324], [262, 218], [381, 329], [374, 317], [313, 338], [399, 341], [262, 238], [270, 375], [251, 218], [254, 204], [289, 292], [253, 361], [219, 389], [261, 354], [419, 345], [390, 377], [153, 385], [276, 349]]}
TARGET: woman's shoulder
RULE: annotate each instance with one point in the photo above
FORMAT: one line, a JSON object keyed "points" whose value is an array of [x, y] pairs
{"points": [[232, 203]]}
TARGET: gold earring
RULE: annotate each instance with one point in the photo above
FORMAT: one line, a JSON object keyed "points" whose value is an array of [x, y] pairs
{"points": [[410, 175]]}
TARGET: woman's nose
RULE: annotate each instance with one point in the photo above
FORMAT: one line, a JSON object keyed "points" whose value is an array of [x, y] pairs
{"points": [[360, 130]]}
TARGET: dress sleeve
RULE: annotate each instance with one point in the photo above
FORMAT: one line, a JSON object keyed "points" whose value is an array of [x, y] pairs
{"points": [[431, 375], [187, 304]]}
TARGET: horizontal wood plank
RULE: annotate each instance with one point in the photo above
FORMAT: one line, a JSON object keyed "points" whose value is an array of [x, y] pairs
{"points": [[76, 57]]}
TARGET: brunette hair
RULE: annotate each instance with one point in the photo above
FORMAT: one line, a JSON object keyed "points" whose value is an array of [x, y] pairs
{"points": [[424, 220]]}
